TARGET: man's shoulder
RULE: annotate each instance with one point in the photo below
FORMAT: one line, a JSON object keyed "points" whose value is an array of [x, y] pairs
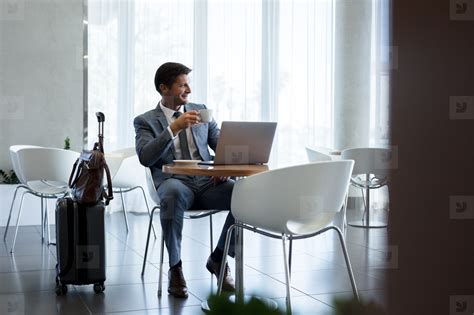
{"points": [[147, 115]]}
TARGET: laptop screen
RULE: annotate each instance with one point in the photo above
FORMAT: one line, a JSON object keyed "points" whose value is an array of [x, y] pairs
{"points": [[243, 142]]}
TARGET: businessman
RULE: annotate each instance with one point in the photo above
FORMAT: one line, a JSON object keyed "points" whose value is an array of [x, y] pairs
{"points": [[172, 130]]}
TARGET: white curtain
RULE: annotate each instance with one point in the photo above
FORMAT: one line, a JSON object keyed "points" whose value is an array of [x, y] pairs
{"points": [[251, 60]]}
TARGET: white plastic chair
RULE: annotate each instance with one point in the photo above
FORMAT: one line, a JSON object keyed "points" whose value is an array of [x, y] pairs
{"points": [[196, 214], [125, 171], [318, 154], [45, 173], [321, 154], [16, 168], [291, 203], [374, 165]]}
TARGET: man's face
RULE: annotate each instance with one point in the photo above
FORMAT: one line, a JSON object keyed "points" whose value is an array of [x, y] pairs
{"points": [[177, 94]]}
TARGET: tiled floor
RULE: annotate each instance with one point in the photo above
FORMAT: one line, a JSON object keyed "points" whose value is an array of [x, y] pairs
{"points": [[27, 277]]}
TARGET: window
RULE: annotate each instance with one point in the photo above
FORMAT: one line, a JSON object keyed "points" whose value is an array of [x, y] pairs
{"points": [[251, 60]]}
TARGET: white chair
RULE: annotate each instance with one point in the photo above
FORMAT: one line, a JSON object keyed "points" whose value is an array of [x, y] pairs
{"points": [[16, 168], [291, 203], [374, 166], [125, 171], [196, 214], [318, 154], [45, 173], [321, 154]]}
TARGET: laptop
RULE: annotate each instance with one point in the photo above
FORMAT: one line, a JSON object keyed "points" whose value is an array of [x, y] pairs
{"points": [[244, 142]]}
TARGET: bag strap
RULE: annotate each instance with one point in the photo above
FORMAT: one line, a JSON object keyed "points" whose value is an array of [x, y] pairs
{"points": [[71, 182], [108, 195]]}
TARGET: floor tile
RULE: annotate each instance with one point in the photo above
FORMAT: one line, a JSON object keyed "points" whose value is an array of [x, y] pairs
{"points": [[42, 302], [376, 296], [135, 297], [27, 281], [122, 258], [16, 263], [303, 305], [318, 270], [329, 281]]}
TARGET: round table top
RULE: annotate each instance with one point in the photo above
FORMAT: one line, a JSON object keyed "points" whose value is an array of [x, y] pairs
{"points": [[214, 170]]}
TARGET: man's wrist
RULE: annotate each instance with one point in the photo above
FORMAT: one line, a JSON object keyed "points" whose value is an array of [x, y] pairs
{"points": [[174, 129]]}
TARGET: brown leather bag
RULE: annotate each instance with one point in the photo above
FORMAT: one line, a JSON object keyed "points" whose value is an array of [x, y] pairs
{"points": [[86, 179]]}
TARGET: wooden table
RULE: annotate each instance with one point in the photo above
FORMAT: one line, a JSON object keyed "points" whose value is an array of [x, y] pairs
{"points": [[214, 170], [224, 170]]}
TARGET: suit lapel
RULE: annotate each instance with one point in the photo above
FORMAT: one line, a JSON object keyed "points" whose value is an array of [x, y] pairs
{"points": [[160, 116]]}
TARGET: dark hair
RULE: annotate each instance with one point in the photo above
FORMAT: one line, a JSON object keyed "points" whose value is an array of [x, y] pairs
{"points": [[167, 73]]}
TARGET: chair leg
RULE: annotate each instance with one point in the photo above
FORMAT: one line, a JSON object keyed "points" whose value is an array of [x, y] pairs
{"points": [[287, 275], [148, 239], [224, 259], [160, 276], [148, 209], [124, 210], [210, 231], [18, 220], [290, 254], [42, 220], [348, 262], [48, 229], [10, 214], [344, 214]]}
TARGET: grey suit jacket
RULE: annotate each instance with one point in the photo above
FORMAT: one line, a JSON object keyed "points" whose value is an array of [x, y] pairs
{"points": [[154, 144]]}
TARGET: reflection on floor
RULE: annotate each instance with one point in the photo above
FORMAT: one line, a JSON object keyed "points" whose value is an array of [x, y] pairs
{"points": [[318, 276]]}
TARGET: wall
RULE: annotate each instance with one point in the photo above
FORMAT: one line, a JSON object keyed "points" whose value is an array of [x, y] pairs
{"points": [[432, 193], [41, 74]]}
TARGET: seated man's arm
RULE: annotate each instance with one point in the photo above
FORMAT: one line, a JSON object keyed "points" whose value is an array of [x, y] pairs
{"points": [[150, 148]]}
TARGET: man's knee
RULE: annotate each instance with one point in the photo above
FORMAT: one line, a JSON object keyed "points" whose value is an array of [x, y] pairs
{"points": [[174, 198]]}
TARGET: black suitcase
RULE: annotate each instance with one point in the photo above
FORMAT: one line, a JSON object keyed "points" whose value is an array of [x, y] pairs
{"points": [[80, 245]]}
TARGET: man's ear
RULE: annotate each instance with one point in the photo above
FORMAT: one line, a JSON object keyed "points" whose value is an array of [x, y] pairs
{"points": [[163, 88]]}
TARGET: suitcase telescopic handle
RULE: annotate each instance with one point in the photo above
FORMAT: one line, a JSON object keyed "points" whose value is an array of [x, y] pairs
{"points": [[100, 117]]}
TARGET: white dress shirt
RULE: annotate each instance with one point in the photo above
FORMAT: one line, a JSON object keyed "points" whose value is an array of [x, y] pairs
{"points": [[191, 145]]}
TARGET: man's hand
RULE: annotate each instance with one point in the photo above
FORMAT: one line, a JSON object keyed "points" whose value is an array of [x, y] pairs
{"points": [[219, 179], [184, 121]]}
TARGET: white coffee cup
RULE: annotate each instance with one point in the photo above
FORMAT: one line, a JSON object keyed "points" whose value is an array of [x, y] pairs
{"points": [[205, 115]]}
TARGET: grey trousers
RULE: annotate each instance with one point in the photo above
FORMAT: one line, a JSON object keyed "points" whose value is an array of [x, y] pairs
{"points": [[181, 193]]}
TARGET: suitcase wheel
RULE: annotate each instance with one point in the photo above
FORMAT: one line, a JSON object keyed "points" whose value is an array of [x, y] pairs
{"points": [[99, 287], [61, 289]]}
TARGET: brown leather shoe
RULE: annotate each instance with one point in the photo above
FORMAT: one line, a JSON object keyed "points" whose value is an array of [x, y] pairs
{"points": [[215, 268], [177, 284]]}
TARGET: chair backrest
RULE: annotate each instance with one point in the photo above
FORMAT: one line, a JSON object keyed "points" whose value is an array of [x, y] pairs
{"points": [[369, 160], [14, 158], [49, 164], [151, 186], [115, 158], [294, 200], [128, 174], [316, 154]]}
